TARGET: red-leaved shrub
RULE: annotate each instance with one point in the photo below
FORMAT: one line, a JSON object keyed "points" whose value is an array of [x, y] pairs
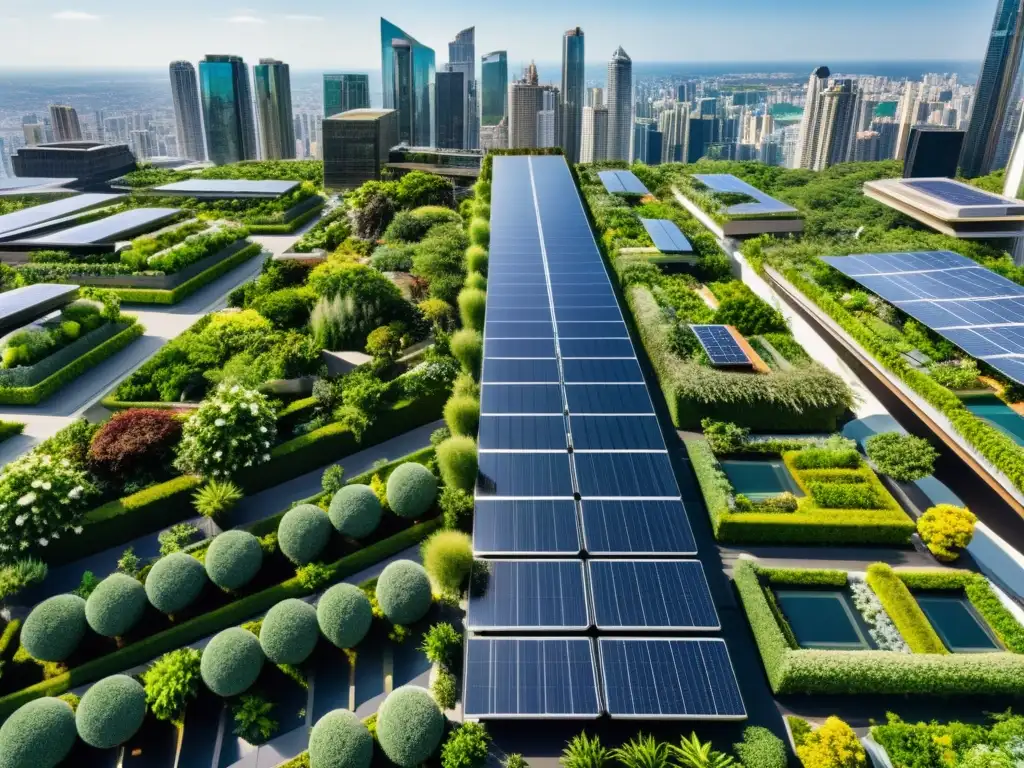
{"points": [[133, 440]]}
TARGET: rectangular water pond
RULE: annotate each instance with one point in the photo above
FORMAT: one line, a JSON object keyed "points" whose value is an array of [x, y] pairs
{"points": [[961, 628], [823, 619], [997, 413], [760, 479]]}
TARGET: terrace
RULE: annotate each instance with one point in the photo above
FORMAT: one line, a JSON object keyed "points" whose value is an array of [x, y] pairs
{"points": [[739, 209]]}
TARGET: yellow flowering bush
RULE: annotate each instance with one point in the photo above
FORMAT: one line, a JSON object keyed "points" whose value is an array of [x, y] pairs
{"points": [[833, 745], [946, 529]]}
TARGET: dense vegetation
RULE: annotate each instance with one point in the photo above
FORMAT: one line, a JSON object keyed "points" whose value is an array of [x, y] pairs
{"points": [[256, 170]]}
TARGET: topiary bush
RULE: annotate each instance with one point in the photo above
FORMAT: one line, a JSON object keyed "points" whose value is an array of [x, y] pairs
{"points": [[403, 591], [472, 308], [480, 232], [946, 530], [340, 740], [833, 745], [355, 511], [54, 628], [111, 712], [174, 582], [133, 440], [409, 726], [456, 458], [289, 632], [303, 533], [233, 559], [462, 414], [468, 348], [38, 735], [116, 605], [476, 259], [411, 490], [231, 662], [344, 615], [447, 557], [476, 281]]}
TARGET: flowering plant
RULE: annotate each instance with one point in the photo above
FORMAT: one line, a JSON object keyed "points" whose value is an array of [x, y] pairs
{"points": [[41, 498], [883, 630], [234, 428]]}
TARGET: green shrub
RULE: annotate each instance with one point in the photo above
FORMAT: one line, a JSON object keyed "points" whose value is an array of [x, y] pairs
{"points": [[54, 628], [340, 740], [303, 533], [833, 745], [287, 308], [903, 609], [761, 748], [448, 556], [233, 559], [456, 509], [174, 582], [476, 259], [827, 458], [462, 414], [111, 712], [217, 498], [442, 644], [403, 591], [409, 726], [946, 530], [844, 495], [584, 752], [344, 615], [231, 662], [468, 348], [476, 281], [355, 511], [444, 689], [457, 461], [466, 747], [39, 735], [171, 682], [472, 308], [289, 632], [116, 605], [902, 457], [411, 490], [724, 436], [480, 232]]}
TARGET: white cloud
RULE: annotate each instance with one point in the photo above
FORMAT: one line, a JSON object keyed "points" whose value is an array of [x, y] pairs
{"points": [[303, 17], [245, 19], [74, 16]]}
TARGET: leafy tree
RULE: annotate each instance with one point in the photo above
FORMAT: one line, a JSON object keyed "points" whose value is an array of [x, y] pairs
{"points": [[418, 189], [176, 538], [438, 312], [902, 457], [384, 344], [332, 479], [171, 682], [444, 689], [442, 644]]}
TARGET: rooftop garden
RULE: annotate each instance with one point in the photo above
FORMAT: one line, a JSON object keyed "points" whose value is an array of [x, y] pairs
{"points": [[717, 204], [253, 170], [12, 203]]}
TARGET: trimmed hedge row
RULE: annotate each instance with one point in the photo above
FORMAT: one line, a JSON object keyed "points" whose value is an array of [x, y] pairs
{"points": [[289, 226], [904, 611], [10, 429], [190, 286], [868, 672]]}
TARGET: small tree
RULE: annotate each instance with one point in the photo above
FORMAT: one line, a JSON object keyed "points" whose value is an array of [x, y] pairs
{"points": [[466, 747], [457, 461], [384, 344], [332, 479], [833, 745], [439, 312], [468, 349], [902, 457], [171, 682], [472, 308], [946, 530], [129, 563]]}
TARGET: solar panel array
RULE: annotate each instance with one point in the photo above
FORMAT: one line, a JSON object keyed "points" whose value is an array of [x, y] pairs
{"points": [[721, 346], [667, 236], [622, 183], [949, 191], [573, 471], [975, 308], [228, 188], [47, 212], [726, 182], [120, 226]]}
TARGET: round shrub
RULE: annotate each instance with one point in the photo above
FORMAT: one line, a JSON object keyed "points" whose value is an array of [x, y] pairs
{"points": [[476, 259], [340, 740], [462, 414], [135, 439], [447, 557], [344, 615], [38, 735], [116, 605], [456, 458], [287, 308], [411, 490], [480, 232], [477, 281], [111, 712], [174, 582], [472, 308], [946, 530], [54, 628], [902, 457], [303, 533], [403, 591], [289, 632], [409, 726], [233, 559], [468, 348], [231, 662], [355, 511]]}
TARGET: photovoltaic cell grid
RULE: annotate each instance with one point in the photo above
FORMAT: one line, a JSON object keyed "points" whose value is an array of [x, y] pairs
{"points": [[726, 182], [39, 214], [666, 236], [971, 306], [721, 346], [622, 183], [120, 226], [956, 193], [228, 188]]}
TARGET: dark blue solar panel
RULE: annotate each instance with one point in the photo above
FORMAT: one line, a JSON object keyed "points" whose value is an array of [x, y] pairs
{"points": [[530, 678], [120, 226], [637, 528], [522, 527], [605, 300], [604, 433], [637, 475], [518, 331], [521, 398], [588, 314], [1010, 366], [537, 301], [228, 187], [622, 183], [48, 212], [524, 475], [666, 236], [953, 192], [615, 371], [518, 314], [612, 398], [522, 433], [721, 346], [592, 330], [511, 595], [502, 371], [639, 595], [596, 347], [519, 348], [670, 678]]}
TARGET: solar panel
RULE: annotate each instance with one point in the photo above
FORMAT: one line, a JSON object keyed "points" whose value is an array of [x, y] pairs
{"points": [[622, 183], [596, 348], [20, 306], [666, 236], [520, 348], [645, 595], [502, 371], [605, 433], [685, 679], [721, 346], [26, 185], [520, 398], [593, 330], [524, 475], [120, 226], [587, 371], [617, 527], [588, 314], [525, 527], [611, 398], [228, 188], [495, 330], [511, 678], [519, 595], [633, 475], [952, 192], [727, 183], [47, 212], [522, 433]]}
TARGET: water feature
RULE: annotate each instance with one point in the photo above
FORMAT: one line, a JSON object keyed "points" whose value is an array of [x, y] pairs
{"points": [[823, 619], [997, 413], [961, 628], [760, 479]]}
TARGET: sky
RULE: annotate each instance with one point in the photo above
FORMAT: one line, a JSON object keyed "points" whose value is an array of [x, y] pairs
{"points": [[344, 34]]}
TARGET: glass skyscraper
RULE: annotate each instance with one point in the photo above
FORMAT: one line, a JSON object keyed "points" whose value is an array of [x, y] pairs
{"points": [[227, 109], [343, 92], [188, 124], [407, 75], [494, 76], [574, 89], [272, 82]]}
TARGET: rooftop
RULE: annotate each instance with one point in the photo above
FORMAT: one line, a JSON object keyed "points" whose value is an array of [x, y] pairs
{"points": [[362, 114], [23, 305], [227, 188], [120, 226], [30, 185]]}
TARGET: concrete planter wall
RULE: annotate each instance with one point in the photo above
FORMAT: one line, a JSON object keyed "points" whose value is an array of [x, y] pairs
{"points": [[161, 282]]}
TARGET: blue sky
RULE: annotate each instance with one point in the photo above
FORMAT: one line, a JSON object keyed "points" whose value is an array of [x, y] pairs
{"points": [[344, 33]]}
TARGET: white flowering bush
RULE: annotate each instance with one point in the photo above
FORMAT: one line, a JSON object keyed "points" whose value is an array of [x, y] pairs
{"points": [[882, 630], [233, 429], [41, 499]]}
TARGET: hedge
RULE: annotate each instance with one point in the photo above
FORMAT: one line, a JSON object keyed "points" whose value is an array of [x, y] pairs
{"points": [[10, 429], [39, 392], [289, 226], [190, 286], [868, 672], [904, 611]]}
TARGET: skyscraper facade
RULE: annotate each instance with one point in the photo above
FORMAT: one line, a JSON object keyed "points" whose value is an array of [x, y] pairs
{"points": [[526, 102], [451, 110], [66, 126], [906, 115], [573, 93], [494, 87], [273, 85], [995, 89], [227, 109], [462, 59], [594, 135], [805, 145], [187, 121], [407, 74], [620, 105], [343, 92], [674, 124]]}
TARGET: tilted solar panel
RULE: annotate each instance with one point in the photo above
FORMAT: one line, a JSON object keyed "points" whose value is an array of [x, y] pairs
{"points": [[522, 433], [524, 475], [525, 527], [521, 398], [120, 226], [721, 346], [607, 433], [626, 527], [634, 475], [645, 595], [39, 214], [666, 236], [952, 192], [527, 595]]}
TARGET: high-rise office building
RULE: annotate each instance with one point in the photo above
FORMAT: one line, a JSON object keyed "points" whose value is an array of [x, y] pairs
{"points": [[594, 135], [187, 120], [495, 136], [806, 141], [407, 74], [343, 92], [674, 124], [573, 93], [620, 105], [494, 88], [646, 141], [462, 59], [888, 134], [34, 134], [526, 101], [142, 145], [356, 146], [906, 117], [273, 85], [227, 109], [995, 89], [65, 123], [932, 151], [866, 146], [595, 97], [828, 130], [450, 94]]}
